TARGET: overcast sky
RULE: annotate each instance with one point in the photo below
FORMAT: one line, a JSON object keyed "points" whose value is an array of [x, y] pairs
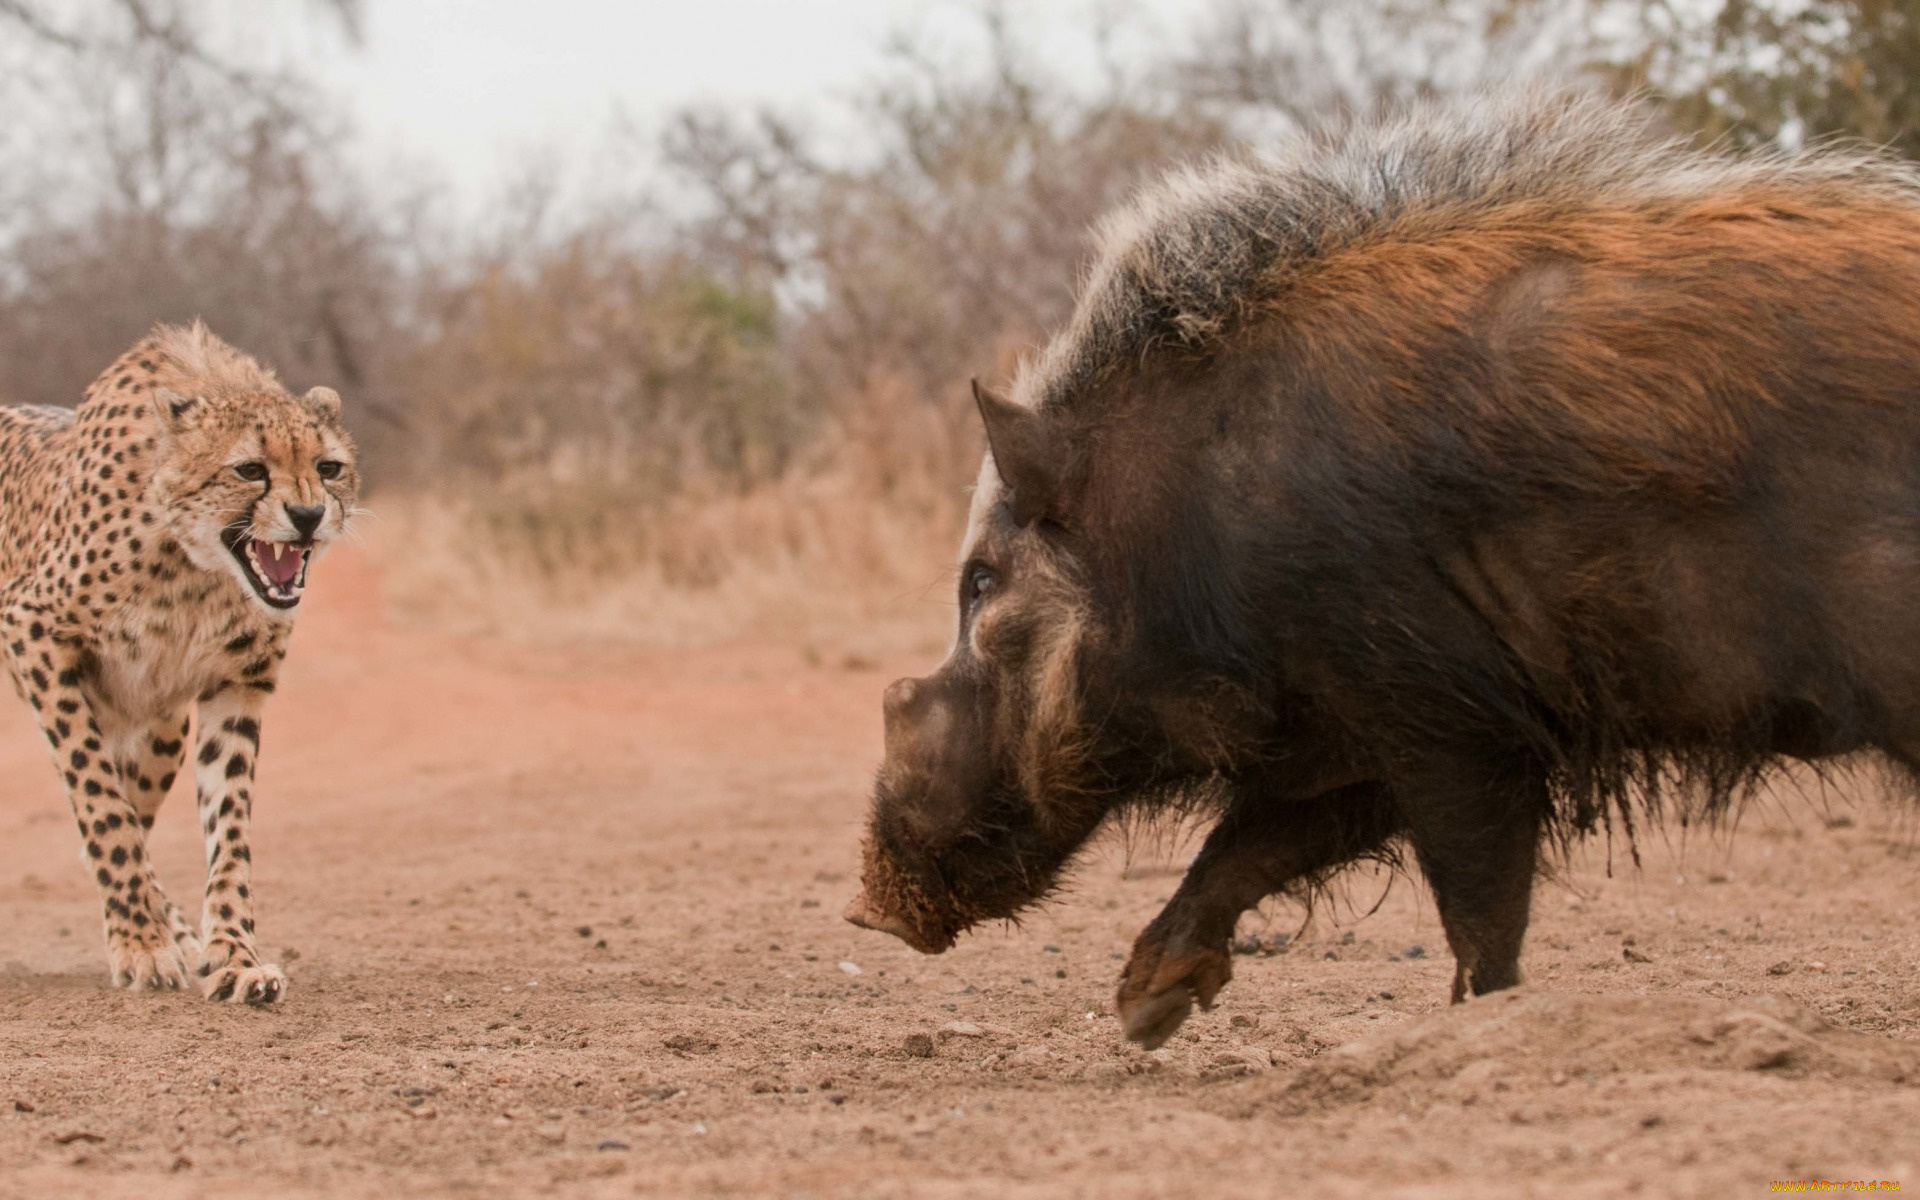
{"points": [[468, 88]]}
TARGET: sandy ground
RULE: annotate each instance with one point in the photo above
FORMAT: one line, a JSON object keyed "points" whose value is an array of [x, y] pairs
{"points": [[566, 922]]}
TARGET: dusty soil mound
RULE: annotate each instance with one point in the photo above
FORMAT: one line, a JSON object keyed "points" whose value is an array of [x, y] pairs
{"points": [[1468, 1053]]}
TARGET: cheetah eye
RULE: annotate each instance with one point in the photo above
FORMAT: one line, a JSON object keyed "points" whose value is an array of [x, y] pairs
{"points": [[329, 469], [252, 472]]}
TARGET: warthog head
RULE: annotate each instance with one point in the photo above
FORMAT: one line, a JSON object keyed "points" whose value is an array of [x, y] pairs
{"points": [[973, 811], [1004, 761]]}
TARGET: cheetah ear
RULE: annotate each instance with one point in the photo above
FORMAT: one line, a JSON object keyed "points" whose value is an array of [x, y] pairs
{"points": [[171, 406], [324, 401]]}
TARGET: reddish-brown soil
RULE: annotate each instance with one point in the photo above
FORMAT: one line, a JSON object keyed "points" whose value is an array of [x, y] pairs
{"points": [[567, 922]]}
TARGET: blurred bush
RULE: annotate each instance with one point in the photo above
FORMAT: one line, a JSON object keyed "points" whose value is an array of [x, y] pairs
{"points": [[759, 368]]}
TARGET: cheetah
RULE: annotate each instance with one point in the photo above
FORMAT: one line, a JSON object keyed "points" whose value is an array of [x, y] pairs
{"points": [[154, 544]]}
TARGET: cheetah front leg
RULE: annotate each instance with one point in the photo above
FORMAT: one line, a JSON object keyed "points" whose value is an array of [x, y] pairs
{"points": [[140, 945], [224, 767], [149, 763]]}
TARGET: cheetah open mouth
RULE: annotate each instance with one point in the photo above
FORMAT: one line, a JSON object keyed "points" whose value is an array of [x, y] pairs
{"points": [[277, 570]]}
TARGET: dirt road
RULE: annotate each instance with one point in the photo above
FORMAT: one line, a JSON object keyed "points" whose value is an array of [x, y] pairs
{"points": [[566, 922]]}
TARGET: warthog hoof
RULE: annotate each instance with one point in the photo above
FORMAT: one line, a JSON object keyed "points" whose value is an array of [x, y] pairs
{"points": [[1161, 984]]}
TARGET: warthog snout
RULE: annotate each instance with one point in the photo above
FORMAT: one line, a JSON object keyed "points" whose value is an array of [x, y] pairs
{"points": [[860, 912], [919, 723], [899, 698]]}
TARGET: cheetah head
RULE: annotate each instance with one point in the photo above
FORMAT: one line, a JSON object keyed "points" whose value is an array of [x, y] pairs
{"points": [[254, 483]]}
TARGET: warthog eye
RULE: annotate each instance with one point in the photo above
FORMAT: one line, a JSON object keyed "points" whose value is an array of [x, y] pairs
{"points": [[252, 472], [329, 469], [978, 581]]}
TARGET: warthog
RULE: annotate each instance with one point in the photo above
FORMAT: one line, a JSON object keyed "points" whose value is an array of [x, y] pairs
{"points": [[1463, 483]]}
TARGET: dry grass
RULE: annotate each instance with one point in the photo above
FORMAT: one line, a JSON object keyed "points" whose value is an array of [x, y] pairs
{"points": [[811, 562], [847, 556]]}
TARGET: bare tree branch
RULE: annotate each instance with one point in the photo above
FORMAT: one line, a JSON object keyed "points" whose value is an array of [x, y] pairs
{"points": [[177, 28], [28, 18]]}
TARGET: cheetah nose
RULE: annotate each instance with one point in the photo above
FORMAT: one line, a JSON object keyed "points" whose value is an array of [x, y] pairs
{"points": [[306, 518]]}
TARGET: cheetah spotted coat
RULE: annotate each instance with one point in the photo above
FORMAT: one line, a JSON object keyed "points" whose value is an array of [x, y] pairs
{"points": [[153, 544]]}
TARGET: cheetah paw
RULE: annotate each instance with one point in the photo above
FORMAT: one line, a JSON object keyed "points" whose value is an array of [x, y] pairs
{"points": [[229, 972], [146, 963], [257, 985]]}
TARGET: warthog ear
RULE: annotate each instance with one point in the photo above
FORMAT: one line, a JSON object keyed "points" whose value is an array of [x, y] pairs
{"points": [[324, 401], [1026, 452]]}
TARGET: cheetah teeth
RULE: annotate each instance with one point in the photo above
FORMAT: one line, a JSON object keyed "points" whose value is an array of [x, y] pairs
{"points": [[293, 585]]}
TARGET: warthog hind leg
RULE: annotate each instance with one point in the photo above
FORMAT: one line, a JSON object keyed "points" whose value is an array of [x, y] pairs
{"points": [[1477, 841]]}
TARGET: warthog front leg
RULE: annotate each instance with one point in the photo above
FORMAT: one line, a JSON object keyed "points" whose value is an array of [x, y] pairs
{"points": [[1263, 845]]}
